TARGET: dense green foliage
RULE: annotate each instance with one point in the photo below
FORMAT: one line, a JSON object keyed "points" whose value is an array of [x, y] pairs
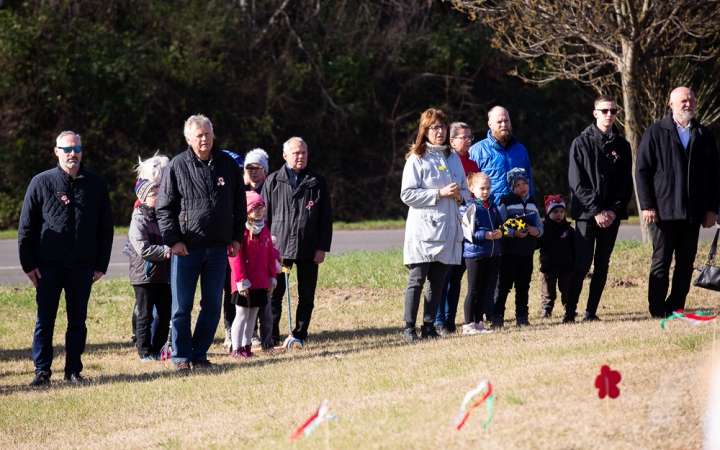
{"points": [[350, 77]]}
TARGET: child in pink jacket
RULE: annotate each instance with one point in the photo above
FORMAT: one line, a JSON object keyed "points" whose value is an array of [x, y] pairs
{"points": [[253, 275]]}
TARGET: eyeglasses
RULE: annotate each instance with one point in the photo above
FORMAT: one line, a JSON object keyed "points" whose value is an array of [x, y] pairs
{"points": [[605, 111], [76, 149], [465, 138], [437, 128], [253, 169]]}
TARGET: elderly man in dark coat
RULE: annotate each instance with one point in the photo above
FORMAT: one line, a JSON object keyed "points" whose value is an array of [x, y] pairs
{"points": [[677, 177]]}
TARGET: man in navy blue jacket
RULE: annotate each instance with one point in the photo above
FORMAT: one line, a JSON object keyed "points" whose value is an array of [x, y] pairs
{"points": [[677, 174], [64, 239]]}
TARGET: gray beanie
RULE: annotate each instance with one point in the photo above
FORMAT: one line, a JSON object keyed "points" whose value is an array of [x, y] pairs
{"points": [[516, 174], [257, 156]]}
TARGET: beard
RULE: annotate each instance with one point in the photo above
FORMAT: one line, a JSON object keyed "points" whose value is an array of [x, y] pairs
{"points": [[69, 164], [685, 115], [503, 136]]}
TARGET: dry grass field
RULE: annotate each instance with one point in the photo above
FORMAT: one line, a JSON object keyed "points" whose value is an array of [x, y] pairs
{"points": [[385, 393]]}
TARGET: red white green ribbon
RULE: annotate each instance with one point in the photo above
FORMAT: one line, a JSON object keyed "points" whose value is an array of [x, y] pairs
{"points": [[693, 319], [484, 388], [313, 421]]}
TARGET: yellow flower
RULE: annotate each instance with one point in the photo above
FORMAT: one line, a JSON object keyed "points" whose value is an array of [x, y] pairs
{"points": [[441, 167]]}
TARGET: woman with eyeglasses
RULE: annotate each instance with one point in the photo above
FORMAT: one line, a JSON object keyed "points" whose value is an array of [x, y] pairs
{"points": [[434, 187], [460, 141]]}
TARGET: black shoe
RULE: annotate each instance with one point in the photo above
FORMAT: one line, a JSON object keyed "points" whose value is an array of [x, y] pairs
{"points": [[546, 313], [41, 379], [442, 330], [451, 328], [497, 323], [591, 317], [75, 378], [568, 319], [522, 321], [428, 332], [410, 335], [202, 364]]}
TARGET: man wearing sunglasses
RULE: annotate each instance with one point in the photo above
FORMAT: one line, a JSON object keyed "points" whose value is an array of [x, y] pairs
{"points": [[677, 173], [600, 176], [64, 240]]}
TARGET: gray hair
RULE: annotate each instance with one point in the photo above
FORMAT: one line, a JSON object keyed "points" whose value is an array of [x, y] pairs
{"points": [[494, 108], [457, 126], [286, 145], [199, 121], [66, 133], [152, 168]]}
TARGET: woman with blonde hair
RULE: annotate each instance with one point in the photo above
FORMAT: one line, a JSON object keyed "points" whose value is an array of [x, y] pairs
{"points": [[434, 187]]}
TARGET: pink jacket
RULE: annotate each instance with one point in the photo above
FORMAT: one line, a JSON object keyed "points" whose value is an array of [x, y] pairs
{"points": [[255, 261]]}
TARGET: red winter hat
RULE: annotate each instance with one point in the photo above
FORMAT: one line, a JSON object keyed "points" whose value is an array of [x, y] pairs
{"points": [[552, 202], [253, 199]]}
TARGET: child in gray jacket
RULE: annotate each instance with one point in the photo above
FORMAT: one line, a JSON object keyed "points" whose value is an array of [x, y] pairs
{"points": [[149, 272]]}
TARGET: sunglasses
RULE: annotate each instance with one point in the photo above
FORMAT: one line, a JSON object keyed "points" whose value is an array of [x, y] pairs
{"points": [[76, 149], [605, 111]]}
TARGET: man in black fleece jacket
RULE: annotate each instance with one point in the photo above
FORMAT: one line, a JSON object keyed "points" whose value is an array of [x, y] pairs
{"points": [[677, 173], [600, 176], [64, 239]]}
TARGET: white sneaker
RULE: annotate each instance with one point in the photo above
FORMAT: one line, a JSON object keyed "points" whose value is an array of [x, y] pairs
{"points": [[470, 329], [479, 326]]}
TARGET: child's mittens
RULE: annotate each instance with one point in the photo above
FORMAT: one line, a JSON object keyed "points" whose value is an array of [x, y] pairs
{"points": [[243, 286]]}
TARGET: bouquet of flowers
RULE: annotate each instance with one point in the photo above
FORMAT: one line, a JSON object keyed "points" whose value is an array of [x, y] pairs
{"points": [[514, 223]]}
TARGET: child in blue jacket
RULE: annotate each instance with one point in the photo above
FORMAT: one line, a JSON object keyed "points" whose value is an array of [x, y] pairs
{"points": [[481, 254]]}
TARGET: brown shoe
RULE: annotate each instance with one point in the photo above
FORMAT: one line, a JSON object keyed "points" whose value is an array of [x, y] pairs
{"points": [[182, 366]]}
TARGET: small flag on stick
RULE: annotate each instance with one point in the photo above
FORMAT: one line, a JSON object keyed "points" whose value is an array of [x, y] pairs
{"points": [[693, 319], [313, 421], [484, 393]]}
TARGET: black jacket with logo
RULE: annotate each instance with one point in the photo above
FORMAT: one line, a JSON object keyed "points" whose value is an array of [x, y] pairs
{"points": [[680, 184], [600, 174], [557, 247], [66, 223], [300, 218], [199, 204]]}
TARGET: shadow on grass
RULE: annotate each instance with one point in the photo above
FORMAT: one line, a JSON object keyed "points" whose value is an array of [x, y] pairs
{"points": [[329, 344]]}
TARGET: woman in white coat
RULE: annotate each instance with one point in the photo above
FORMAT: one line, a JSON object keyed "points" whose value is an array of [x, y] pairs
{"points": [[434, 187]]}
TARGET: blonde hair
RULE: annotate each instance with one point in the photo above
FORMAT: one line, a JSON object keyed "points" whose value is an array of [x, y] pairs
{"points": [[152, 168], [473, 179], [426, 120]]}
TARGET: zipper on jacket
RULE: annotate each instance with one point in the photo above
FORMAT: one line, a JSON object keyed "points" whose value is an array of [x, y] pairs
{"points": [[493, 224]]}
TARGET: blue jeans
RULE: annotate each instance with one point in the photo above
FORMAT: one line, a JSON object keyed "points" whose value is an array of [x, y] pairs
{"points": [[77, 284], [208, 264], [447, 310]]}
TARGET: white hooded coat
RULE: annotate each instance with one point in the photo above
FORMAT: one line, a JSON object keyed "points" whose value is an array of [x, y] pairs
{"points": [[433, 231]]}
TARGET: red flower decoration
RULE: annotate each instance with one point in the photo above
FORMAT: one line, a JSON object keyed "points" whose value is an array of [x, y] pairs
{"points": [[607, 383]]}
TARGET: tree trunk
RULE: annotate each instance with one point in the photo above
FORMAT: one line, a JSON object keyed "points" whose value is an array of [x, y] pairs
{"points": [[633, 133]]}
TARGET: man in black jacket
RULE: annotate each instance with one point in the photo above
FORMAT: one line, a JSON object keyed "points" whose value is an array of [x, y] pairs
{"points": [[64, 239], [300, 217], [201, 211], [677, 175], [600, 176]]}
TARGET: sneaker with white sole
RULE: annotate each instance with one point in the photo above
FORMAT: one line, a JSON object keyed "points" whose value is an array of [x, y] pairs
{"points": [[481, 328], [470, 329]]}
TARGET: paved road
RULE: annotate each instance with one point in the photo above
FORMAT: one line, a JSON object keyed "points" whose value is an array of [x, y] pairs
{"points": [[343, 241]]}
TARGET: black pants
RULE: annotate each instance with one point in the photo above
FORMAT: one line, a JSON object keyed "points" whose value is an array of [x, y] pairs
{"points": [[480, 272], [551, 283], [679, 237], [307, 275], [147, 296], [228, 307], [514, 270], [590, 241], [434, 273]]}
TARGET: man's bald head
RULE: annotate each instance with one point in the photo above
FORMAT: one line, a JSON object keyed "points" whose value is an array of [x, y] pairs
{"points": [[682, 103], [499, 123]]}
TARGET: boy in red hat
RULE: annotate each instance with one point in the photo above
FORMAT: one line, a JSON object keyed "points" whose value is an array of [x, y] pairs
{"points": [[557, 253]]}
